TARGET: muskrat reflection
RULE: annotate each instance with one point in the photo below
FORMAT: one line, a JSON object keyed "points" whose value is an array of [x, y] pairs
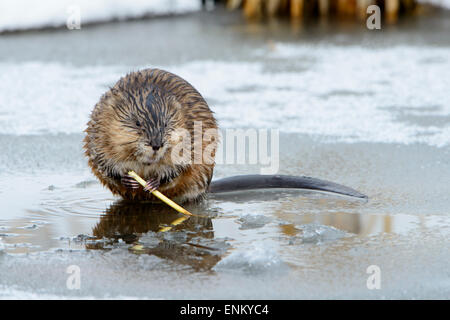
{"points": [[138, 223]]}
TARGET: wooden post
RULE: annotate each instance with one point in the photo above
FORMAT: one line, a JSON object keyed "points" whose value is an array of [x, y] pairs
{"points": [[361, 8], [272, 7], [391, 10], [297, 9], [340, 7], [233, 4], [252, 8], [346, 7], [408, 5], [324, 7]]}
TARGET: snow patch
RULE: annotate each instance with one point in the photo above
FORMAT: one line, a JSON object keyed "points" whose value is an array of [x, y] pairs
{"points": [[29, 14]]}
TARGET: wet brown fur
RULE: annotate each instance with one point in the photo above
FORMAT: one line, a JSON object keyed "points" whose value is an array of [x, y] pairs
{"points": [[114, 143]]}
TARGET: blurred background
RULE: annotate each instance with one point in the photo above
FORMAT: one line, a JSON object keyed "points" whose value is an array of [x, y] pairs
{"points": [[26, 14]]}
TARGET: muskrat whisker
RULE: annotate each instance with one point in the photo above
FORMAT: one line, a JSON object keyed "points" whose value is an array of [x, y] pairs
{"points": [[125, 143]]}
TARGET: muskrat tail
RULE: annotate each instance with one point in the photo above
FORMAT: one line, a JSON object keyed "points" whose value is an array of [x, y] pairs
{"points": [[251, 182]]}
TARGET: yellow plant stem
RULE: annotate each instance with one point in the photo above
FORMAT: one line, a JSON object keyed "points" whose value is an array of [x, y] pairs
{"points": [[159, 195]]}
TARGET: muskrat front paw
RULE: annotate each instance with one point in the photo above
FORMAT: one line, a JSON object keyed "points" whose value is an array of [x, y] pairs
{"points": [[152, 185], [129, 182]]}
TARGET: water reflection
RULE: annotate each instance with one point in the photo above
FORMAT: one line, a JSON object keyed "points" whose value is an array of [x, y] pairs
{"points": [[190, 242], [246, 217]]}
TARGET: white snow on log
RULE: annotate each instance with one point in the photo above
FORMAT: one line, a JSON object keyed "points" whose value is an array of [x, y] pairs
{"points": [[31, 14]]}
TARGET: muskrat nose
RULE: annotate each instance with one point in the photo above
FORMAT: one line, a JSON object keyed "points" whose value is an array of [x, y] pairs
{"points": [[156, 148]]}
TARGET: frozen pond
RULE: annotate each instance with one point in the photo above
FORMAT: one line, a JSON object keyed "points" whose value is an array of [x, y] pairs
{"points": [[365, 109]]}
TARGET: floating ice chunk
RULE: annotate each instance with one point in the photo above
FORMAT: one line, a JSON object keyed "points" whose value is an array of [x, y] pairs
{"points": [[317, 233], [149, 239], [29, 226], [250, 221], [150, 262], [178, 237], [259, 259], [82, 238]]}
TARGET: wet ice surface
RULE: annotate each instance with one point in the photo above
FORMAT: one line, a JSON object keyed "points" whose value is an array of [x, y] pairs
{"points": [[383, 133], [269, 244]]}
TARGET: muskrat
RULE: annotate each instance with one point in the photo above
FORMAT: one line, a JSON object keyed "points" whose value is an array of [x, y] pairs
{"points": [[136, 126]]}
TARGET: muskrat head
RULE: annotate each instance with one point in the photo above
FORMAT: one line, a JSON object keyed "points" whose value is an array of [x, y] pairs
{"points": [[140, 127]]}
